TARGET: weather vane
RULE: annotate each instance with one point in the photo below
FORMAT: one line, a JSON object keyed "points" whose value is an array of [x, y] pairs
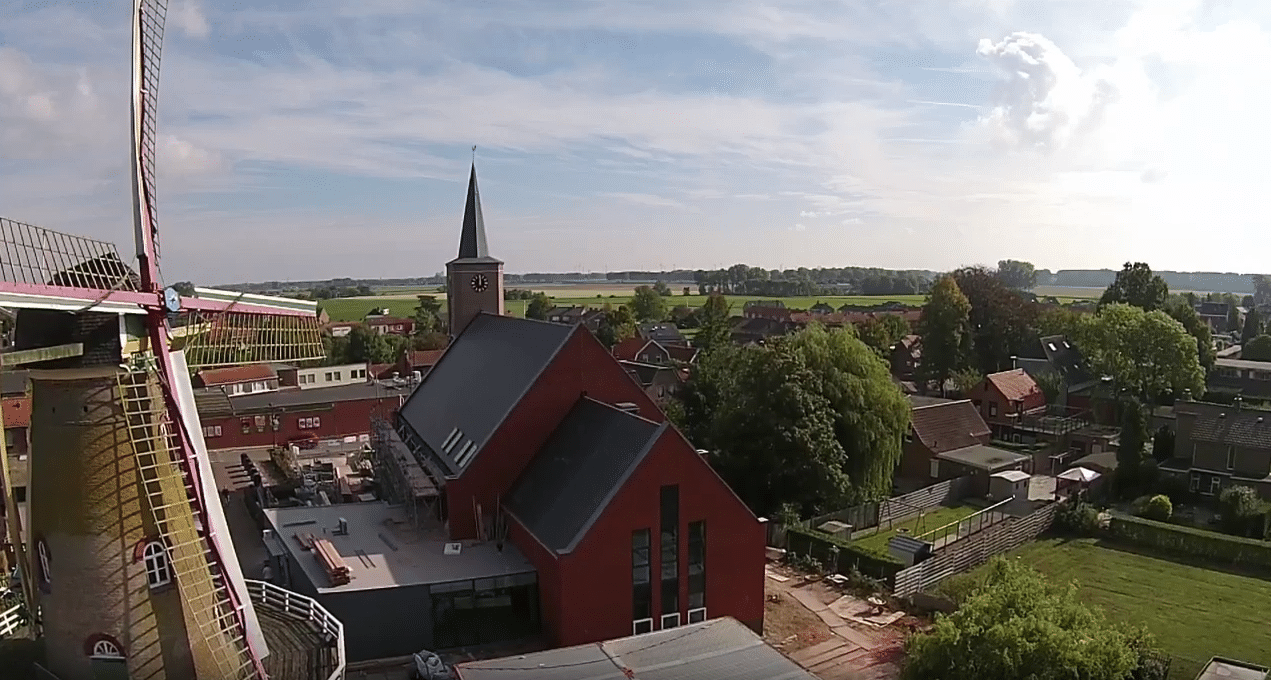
{"points": [[474, 153]]}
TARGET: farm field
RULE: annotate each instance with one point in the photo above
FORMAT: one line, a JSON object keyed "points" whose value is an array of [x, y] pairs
{"points": [[932, 519], [1195, 613], [354, 309]]}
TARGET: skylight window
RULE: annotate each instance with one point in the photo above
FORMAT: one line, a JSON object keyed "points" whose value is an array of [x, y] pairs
{"points": [[466, 453], [1051, 345], [453, 439]]}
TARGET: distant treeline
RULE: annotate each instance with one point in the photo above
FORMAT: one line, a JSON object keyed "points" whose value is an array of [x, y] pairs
{"points": [[1220, 282]]}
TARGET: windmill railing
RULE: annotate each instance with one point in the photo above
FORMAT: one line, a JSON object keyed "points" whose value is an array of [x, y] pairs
{"points": [[300, 606], [11, 620]]}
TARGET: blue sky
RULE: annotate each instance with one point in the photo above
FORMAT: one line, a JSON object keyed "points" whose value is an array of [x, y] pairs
{"points": [[322, 138]]}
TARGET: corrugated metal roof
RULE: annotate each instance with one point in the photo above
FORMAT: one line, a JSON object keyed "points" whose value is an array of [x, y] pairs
{"points": [[580, 468], [478, 381], [719, 649]]}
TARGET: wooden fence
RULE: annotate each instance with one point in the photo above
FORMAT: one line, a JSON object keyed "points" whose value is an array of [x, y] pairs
{"points": [[874, 513], [974, 550]]}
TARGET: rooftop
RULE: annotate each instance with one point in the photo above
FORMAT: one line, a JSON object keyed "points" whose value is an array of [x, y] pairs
{"points": [[918, 401], [236, 374], [948, 425], [983, 457], [383, 550], [248, 403], [1243, 363], [718, 649], [1219, 668], [1015, 385], [13, 382]]}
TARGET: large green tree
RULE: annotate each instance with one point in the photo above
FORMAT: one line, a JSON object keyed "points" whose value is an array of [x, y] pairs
{"points": [[882, 333], [714, 324], [647, 305], [1019, 625], [1017, 274], [1198, 328], [1146, 354], [538, 307], [1253, 327], [1002, 320], [367, 345], [945, 329], [616, 325], [1136, 285], [1257, 349], [428, 315]]}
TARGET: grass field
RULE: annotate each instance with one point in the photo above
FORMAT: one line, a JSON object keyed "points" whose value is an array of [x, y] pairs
{"points": [[354, 309], [933, 519], [1195, 613]]}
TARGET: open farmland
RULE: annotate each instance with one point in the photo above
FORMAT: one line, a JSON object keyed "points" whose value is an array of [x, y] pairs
{"points": [[1195, 613]]}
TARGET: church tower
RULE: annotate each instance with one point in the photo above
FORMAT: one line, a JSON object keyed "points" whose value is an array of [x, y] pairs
{"points": [[474, 280]]}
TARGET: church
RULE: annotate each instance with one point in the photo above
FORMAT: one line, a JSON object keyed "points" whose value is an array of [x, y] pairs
{"points": [[536, 435]]}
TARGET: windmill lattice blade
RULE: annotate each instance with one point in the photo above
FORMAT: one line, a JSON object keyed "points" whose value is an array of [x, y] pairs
{"points": [[235, 338], [148, 50], [36, 256]]}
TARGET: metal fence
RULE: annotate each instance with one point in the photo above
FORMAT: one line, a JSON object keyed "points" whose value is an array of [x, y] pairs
{"points": [[897, 508], [967, 526], [305, 608]]}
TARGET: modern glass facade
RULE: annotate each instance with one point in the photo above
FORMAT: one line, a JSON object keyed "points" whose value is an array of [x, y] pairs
{"points": [[485, 611]]}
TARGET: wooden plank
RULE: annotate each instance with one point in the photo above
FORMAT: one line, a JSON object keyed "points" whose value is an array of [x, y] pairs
{"points": [[816, 650], [35, 356]]}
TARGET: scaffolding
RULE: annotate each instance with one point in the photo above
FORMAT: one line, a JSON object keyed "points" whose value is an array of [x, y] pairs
{"points": [[404, 480]]}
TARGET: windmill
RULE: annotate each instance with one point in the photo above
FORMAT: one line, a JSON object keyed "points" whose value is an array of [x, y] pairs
{"points": [[126, 557]]}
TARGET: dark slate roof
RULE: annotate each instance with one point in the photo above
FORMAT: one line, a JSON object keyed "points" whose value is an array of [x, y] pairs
{"points": [[948, 426], [472, 244], [13, 382], [643, 373], [1235, 427], [661, 332], [578, 471], [478, 381], [918, 400], [1066, 359], [718, 649], [1212, 309]]}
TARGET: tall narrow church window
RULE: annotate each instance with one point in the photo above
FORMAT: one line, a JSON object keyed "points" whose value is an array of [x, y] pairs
{"points": [[670, 548], [158, 568]]}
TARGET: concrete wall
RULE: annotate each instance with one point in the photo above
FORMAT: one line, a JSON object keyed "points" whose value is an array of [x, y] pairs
{"points": [[383, 622]]}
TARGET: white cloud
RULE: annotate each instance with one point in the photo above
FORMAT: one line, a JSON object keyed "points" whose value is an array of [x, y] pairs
{"points": [[187, 17]]}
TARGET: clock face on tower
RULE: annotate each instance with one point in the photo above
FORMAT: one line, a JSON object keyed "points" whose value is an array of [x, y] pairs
{"points": [[480, 282]]}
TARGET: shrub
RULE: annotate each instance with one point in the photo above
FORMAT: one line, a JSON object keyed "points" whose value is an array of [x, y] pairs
{"points": [[1076, 517], [1173, 486], [1241, 511], [817, 545], [1190, 541], [1158, 507]]}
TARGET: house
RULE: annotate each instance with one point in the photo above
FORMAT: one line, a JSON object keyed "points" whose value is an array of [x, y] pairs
{"points": [[320, 376], [275, 418], [1056, 354], [1218, 445], [390, 325], [1240, 376], [905, 355], [1003, 399], [948, 438], [662, 333], [340, 329], [659, 382], [236, 380], [756, 329], [719, 649], [821, 308], [591, 318], [1215, 314], [642, 350], [561, 491], [418, 361]]}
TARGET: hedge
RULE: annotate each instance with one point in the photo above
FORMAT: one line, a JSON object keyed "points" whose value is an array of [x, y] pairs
{"points": [[1191, 541], [872, 563]]}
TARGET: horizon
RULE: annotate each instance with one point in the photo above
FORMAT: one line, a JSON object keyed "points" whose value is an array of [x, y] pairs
{"points": [[619, 136]]}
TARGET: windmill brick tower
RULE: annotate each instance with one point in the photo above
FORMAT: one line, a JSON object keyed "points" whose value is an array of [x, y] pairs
{"points": [[126, 559]]}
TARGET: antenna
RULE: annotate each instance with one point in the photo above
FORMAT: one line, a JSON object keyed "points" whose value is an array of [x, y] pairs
{"points": [[474, 154]]}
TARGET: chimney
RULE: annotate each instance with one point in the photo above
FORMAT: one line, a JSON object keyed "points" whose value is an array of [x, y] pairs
{"points": [[628, 407], [1187, 395], [343, 529], [1239, 402]]}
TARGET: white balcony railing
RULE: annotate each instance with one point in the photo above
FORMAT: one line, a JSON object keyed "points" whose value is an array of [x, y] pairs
{"points": [[295, 604], [10, 621]]}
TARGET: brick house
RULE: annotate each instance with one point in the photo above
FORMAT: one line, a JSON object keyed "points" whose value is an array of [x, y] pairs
{"points": [[1219, 445], [1240, 376], [948, 438], [659, 382], [642, 350], [587, 316], [1004, 399], [905, 356], [237, 380], [390, 325], [421, 360]]}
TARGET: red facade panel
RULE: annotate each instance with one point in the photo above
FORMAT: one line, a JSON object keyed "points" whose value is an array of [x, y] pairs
{"points": [[596, 579], [581, 367], [335, 420]]}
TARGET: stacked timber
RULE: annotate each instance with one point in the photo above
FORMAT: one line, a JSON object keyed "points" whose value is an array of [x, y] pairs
{"points": [[329, 557]]}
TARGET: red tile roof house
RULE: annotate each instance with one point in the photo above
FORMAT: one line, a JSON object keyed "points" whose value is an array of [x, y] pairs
{"points": [[1005, 399], [948, 439], [421, 360], [237, 380], [391, 325], [612, 515]]}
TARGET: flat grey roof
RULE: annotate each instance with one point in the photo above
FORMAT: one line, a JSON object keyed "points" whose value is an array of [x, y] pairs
{"points": [[983, 457], [373, 563], [1226, 669], [719, 649], [1243, 363], [291, 398]]}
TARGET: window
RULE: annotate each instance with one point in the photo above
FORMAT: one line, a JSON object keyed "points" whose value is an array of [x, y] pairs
{"points": [[327, 377], [670, 520], [696, 566], [212, 431], [158, 569], [992, 409], [317, 421], [337, 375], [935, 468], [247, 425], [1215, 484], [1194, 486], [1231, 457], [106, 649], [641, 582]]}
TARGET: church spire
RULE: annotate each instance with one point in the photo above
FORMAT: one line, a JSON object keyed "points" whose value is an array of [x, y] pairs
{"points": [[472, 243]]}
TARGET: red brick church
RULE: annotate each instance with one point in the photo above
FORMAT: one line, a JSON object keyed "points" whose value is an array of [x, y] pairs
{"points": [[534, 425]]}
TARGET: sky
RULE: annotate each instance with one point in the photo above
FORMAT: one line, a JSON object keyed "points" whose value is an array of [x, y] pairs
{"points": [[308, 139]]}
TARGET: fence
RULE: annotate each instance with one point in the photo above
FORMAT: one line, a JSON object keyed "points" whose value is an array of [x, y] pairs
{"points": [[11, 620], [974, 550], [295, 604], [973, 524], [900, 507]]}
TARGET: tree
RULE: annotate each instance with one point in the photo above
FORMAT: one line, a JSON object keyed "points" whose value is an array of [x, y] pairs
{"points": [[1059, 321], [538, 307], [1158, 508], [617, 325], [426, 341], [662, 289], [185, 288], [882, 333], [1241, 511], [1261, 290], [1233, 317], [1136, 285], [428, 315], [945, 328], [1002, 320], [1130, 450], [365, 345], [1163, 444], [1016, 274], [714, 324], [965, 379], [1145, 354], [1257, 349], [1253, 327], [1020, 625], [1051, 384], [647, 305], [1197, 328]]}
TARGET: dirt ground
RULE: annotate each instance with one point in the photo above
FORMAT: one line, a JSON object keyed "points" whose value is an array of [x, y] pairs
{"points": [[787, 624]]}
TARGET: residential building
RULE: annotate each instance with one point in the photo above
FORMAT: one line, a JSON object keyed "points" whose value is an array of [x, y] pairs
{"points": [[946, 439], [653, 352], [1219, 445], [1004, 399], [587, 316], [905, 355], [663, 333], [239, 380], [390, 325], [311, 415], [417, 361], [821, 308], [658, 381], [1250, 379], [755, 329], [1215, 315], [321, 376], [719, 649], [1056, 354]]}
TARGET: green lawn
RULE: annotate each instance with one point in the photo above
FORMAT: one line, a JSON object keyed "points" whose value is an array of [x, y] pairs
{"points": [[354, 309], [933, 519], [1195, 613]]}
